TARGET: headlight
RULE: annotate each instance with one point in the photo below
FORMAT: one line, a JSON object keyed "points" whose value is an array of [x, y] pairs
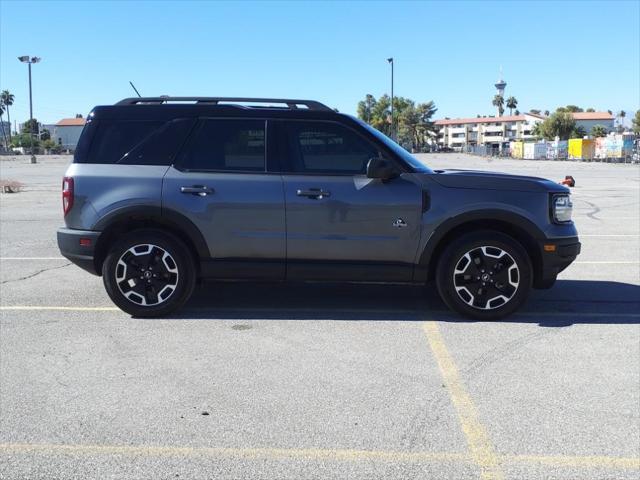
{"points": [[561, 208]]}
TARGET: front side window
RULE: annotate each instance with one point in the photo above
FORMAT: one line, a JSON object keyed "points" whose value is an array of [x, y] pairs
{"points": [[329, 148], [227, 145]]}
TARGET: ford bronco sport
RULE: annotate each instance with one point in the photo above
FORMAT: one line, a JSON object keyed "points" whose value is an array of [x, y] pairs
{"points": [[165, 191]]}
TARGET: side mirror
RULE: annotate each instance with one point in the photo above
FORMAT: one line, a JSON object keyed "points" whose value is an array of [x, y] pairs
{"points": [[382, 169]]}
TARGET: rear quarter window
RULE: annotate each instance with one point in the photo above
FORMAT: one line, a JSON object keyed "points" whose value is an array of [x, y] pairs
{"points": [[132, 142]]}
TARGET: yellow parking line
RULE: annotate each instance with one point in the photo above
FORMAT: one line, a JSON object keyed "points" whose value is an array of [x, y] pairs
{"points": [[271, 453], [614, 463], [478, 440]]}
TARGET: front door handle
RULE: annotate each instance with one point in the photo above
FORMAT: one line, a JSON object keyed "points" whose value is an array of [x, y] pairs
{"points": [[315, 193], [200, 190]]}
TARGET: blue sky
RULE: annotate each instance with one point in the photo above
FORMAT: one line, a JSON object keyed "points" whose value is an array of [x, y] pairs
{"points": [[552, 53]]}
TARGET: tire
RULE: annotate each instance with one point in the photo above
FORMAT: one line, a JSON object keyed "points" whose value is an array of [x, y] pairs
{"points": [[485, 275], [165, 273]]}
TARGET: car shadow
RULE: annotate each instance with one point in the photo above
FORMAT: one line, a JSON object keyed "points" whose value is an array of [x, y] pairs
{"points": [[568, 302]]}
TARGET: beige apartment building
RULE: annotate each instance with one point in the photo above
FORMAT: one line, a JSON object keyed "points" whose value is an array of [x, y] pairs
{"points": [[493, 132], [497, 132]]}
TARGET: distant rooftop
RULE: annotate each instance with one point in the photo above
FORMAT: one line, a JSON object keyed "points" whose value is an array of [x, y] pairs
{"points": [[522, 117], [71, 122]]}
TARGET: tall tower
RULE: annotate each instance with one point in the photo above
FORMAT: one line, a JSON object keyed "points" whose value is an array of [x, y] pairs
{"points": [[500, 86]]}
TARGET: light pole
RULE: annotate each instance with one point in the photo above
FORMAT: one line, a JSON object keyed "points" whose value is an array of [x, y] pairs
{"points": [[29, 60], [393, 126]]}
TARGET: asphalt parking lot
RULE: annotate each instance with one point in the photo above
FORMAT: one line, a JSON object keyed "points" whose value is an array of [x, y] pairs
{"points": [[321, 381]]}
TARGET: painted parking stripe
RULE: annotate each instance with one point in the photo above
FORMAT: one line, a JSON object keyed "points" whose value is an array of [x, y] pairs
{"points": [[609, 462], [481, 447], [31, 258]]}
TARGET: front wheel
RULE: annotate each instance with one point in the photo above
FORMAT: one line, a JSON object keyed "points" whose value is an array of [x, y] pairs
{"points": [[149, 273], [484, 275]]}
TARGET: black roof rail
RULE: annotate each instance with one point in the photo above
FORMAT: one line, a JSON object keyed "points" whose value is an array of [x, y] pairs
{"points": [[290, 103]]}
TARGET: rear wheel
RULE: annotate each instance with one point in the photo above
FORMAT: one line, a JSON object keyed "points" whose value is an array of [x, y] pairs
{"points": [[149, 273], [484, 275]]}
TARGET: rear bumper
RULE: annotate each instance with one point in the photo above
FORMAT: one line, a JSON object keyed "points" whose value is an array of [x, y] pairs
{"points": [[558, 255], [81, 254]]}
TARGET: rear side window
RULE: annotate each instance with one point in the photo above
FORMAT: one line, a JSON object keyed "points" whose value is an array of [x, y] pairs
{"points": [[161, 146], [226, 145], [113, 139], [327, 148]]}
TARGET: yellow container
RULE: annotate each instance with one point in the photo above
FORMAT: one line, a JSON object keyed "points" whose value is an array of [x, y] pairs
{"points": [[581, 149], [518, 150]]}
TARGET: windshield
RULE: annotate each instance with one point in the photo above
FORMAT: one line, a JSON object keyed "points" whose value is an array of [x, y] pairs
{"points": [[415, 164]]}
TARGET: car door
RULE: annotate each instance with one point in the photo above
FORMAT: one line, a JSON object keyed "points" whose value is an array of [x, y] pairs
{"points": [[220, 183], [342, 225]]}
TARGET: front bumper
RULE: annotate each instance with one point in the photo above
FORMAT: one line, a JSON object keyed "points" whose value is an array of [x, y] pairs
{"points": [[558, 255], [82, 254]]}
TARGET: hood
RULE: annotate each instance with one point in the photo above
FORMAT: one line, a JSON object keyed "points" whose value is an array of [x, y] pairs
{"points": [[494, 181]]}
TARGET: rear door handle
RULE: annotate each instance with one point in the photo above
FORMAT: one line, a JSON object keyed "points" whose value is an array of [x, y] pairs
{"points": [[315, 193], [200, 190]]}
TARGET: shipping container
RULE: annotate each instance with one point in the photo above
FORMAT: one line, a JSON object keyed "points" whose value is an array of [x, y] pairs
{"points": [[517, 150], [581, 149], [557, 150], [535, 151]]}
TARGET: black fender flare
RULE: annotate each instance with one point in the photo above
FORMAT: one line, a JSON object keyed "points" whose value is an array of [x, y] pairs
{"points": [[162, 216], [517, 221]]}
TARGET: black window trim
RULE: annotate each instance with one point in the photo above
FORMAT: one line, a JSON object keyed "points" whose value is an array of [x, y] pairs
{"points": [[179, 158], [379, 147]]}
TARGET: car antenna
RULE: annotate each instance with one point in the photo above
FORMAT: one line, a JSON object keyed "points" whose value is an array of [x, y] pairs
{"points": [[134, 87]]}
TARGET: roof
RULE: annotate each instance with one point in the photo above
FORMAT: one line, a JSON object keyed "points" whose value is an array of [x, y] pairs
{"points": [[455, 121], [71, 122], [592, 116], [516, 118]]}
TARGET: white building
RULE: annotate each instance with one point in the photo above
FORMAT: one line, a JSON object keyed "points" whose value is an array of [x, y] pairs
{"points": [[67, 132], [588, 120], [489, 131], [497, 132]]}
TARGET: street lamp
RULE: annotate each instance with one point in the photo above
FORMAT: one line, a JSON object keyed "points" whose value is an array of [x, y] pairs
{"points": [[393, 131], [30, 60]]}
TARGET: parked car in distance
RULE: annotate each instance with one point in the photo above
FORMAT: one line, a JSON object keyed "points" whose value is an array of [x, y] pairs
{"points": [[165, 191]]}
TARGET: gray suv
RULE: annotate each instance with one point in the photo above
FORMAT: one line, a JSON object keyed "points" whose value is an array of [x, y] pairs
{"points": [[165, 191]]}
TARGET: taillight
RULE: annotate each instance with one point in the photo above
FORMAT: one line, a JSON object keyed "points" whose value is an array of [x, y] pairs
{"points": [[67, 194]]}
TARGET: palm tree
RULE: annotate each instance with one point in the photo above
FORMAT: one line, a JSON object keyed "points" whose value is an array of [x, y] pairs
{"points": [[4, 134], [498, 101], [511, 104], [621, 115], [7, 98]]}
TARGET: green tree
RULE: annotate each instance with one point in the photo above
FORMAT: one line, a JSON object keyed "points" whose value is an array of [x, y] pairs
{"points": [[4, 134], [7, 98], [517, 112], [31, 126], [414, 124], [535, 111], [45, 134], [598, 131], [590, 109], [546, 113], [578, 132], [498, 101], [559, 124], [24, 140], [512, 103], [365, 108], [573, 109], [636, 123], [621, 115]]}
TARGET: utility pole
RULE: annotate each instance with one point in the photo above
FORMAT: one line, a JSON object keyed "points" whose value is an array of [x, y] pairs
{"points": [[29, 60]]}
